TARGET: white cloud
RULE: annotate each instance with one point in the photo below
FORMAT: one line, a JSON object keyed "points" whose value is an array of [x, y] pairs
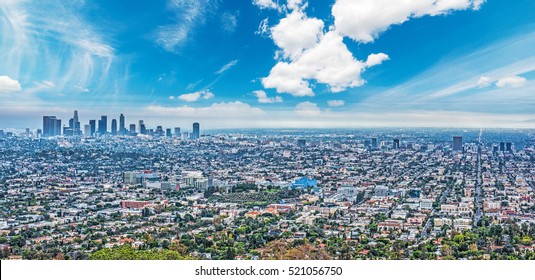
{"points": [[189, 14], [484, 82], [336, 103], [171, 97], [194, 96], [328, 62], [296, 4], [229, 22], [81, 88], [33, 34], [9, 85], [364, 20], [263, 98], [295, 33], [266, 4], [307, 109], [511, 82], [226, 67], [263, 27], [230, 110], [376, 59]]}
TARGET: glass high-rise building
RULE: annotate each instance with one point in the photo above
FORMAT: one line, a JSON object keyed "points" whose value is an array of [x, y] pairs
{"points": [[103, 125], [114, 127], [51, 126], [122, 127], [93, 125], [196, 131]]}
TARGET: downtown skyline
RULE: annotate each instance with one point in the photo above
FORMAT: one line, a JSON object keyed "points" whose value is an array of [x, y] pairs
{"points": [[467, 63]]}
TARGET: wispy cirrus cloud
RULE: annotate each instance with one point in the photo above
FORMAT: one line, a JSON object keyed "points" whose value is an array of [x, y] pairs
{"points": [[54, 35], [226, 67], [188, 14]]}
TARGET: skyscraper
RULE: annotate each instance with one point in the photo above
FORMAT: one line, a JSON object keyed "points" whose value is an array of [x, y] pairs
{"points": [[142, 128], [93, 125], [177, 132], [132, 129], [103, 125], [509, 147], [114, 127], [122, 128], [502, 146], [196, 131], [374, 142], [396, 144], [457, 143], [51, 126], [76, 125], [168, 132]]}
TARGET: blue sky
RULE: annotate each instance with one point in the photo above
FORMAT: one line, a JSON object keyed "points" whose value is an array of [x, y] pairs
{"points": [[264, 63]]}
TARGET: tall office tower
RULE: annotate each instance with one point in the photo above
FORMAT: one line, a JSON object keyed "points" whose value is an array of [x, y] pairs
{"points": [[168, 132], [374, 142], [76, 124], [114, 127], [122, 128], [457, 143], [93, 124], [502, 146], [51, 126], [27, 132], [196, 131], [71, 122], [494, 150], [103, 125], [159, 131], [396, 144], [132, 129], [177, 132], [509, 147], [39, 133], [142, 127], [87, 130]]}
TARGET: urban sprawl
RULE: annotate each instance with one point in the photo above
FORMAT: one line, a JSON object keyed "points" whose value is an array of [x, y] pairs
{"points": [[89, 192]]}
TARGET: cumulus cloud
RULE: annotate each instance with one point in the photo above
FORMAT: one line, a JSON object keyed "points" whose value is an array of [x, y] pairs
{"points": [[295, 33], [194, 96], [511, 82], [9, 85], [263, 98], [376, 59], [336, 103], [328, 62], [226, 67], [307, 109], [364, 20], [484, 82]]}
